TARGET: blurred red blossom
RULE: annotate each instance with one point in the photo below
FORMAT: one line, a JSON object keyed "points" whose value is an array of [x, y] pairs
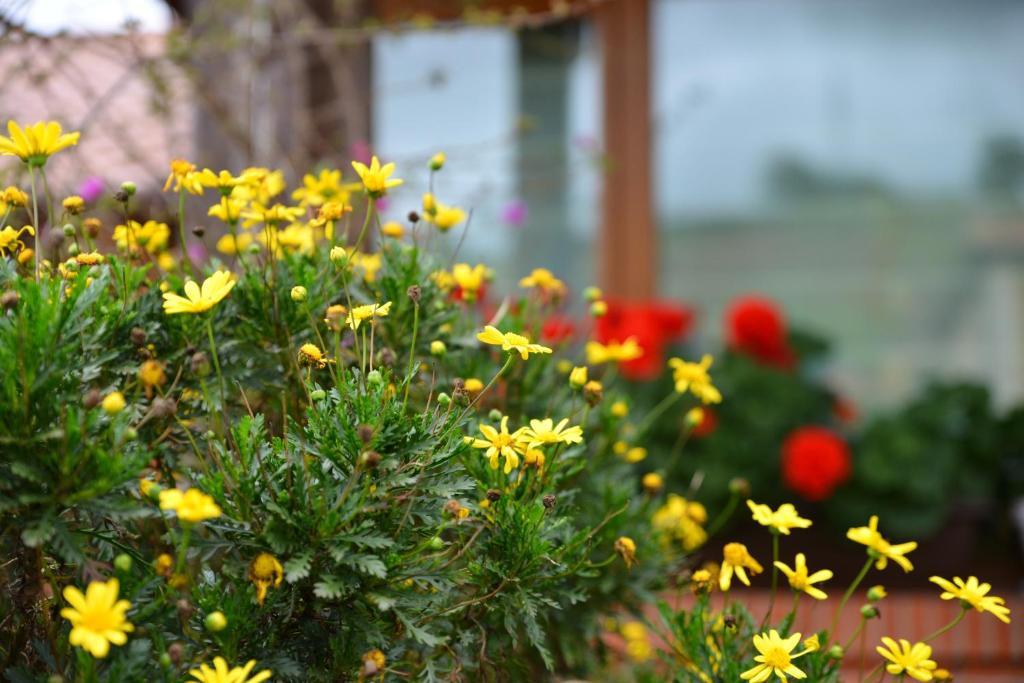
{"points": [[756, 327], [652, 323], [815, 461], [708, 423], [558, 329]]}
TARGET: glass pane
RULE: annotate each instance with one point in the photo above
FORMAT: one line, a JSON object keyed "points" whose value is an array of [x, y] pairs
{"points": [[861, 162], [517, 120]]}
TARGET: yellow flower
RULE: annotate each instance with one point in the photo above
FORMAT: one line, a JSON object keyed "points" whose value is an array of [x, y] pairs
{"points": [[222, 181], [367, 312], [681, 520], [437, 161], [73, 204], [613, 352], [912, 660], [262, 185], [736, 560], [781, 520], [510, 341], [469, 279], [220, 673], [318, 189], [152, 375], [973, 593], [578, 377], [776, 657], [183, 175], [214, 288], [879, 548], [234, 244], [329, 212], [265, 571], [374, 662], [626, 549], [191, 506], [276, 214], [392, 229], [500, 443], [10, 238], [599, 309], [545, 431], [473, 385], [34, 144], [97, 617], [164, 564], [89, 258], [368, 263], [635, 454], [113, 403], [653, 482], [150, 236], [446, 217], [13, 196], [620, 409], [310, 354], [376, 179], [638, 645], [695, 378], [227, 210], [799, 580], [545, 281]]}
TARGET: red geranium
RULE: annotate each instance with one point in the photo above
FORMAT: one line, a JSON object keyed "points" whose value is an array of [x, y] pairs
{"points": [[756, 327], [652, 323], [558, 329], [815, 461]]}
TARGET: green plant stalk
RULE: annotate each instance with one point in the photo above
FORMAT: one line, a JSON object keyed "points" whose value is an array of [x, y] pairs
{"points": [[856, 632], [846, 598], [718, 522], [656, 412], [950, 625], [185, 262], [775, 576], [35, 217], [49, 196], [412, 352], [186, 535], [216, 360]]}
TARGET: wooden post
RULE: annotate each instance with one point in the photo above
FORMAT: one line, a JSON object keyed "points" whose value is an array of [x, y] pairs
{"points": [[628, 259]]}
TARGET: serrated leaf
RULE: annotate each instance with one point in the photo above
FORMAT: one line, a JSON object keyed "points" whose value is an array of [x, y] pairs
{"points": [[329, 587], [298, 567], [38, 532], [367, 564], [382, 602]]}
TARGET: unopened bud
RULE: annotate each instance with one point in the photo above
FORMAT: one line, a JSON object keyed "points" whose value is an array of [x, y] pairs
{"points": [[549, 501], [164, 407], [413, 217], [215, 621], [298, 293], [69, 230], [128, 187], [9, 300], [138, 336], [438, 348], [185, 609], [198, 231], [414, 292], [374, 378], [739, 487], [365, 433], [869, 612], [494, 415], [836, 652], [493, 495], [443, 399], [317, 395], [175, 652], [370, 459], [123, 562]]}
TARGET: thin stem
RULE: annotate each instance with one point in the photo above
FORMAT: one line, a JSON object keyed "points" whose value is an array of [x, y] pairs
{"points": [[35, 216], [412, 352], [508, 363], [185, 262], [857, 632], [718, 522], [366, 224], [216, 360], [846, 597], [775, 575], [949, 626], [656, 412]]}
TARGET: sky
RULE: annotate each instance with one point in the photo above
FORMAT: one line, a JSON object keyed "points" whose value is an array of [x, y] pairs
{"points": [[88, 16]]}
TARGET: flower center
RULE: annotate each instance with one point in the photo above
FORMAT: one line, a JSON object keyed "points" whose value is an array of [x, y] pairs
{"points": [[777, 658], [99, 619], [734, 553]]}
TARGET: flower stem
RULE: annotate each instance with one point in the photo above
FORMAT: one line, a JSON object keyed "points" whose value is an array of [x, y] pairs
{"points": [[718, 522], [846, 597], [185, 262], [656, 412], [949, 626], [412, 351], [35, 217], [216, 360], [775, 575]]}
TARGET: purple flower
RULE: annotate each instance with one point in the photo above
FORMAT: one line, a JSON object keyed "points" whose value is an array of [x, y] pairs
{"points": [[196, 252], [360, 151], [382, 204], [91, 188], [515, 213]]}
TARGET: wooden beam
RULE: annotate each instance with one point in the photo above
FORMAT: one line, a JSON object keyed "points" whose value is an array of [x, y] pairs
{"points": [[628, 258]]}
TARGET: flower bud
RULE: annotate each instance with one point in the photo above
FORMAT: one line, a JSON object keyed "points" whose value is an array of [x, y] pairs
{"points": [[592, 294], [73, 250], [185, 609], [370, 459], [437, 161], [165, 661], [175, 652], [493, 495], [414, 217], [215, 621], [121, 197], [869, 612], [200, 364], [414, 293], [578, 377], [598, 309], [318, 394], [443, 399], [365, 433], [138, 336], [374, 378], [129, 188], [438, 348], [593, 392], [198, 231], [876, 593], [436, 543], [495, 415], [69, 230], [164, 406], [298, 293], [131, 434], [92, 227], [739, 486], [339, 256], [9, 300], [123, 563], [549, 501], [653, 482], [836, 652], [113, 403]]}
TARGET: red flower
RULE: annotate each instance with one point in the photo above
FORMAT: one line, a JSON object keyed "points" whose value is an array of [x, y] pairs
{"points": [[652, 323], [558, 329], [756, 327], [814, 462]]}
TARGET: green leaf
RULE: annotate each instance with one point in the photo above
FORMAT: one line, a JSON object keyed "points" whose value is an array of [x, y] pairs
{"points": [[297, 567]]}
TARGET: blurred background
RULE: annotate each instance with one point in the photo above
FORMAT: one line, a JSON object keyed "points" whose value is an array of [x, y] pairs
{"points": [[861, 162]]}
